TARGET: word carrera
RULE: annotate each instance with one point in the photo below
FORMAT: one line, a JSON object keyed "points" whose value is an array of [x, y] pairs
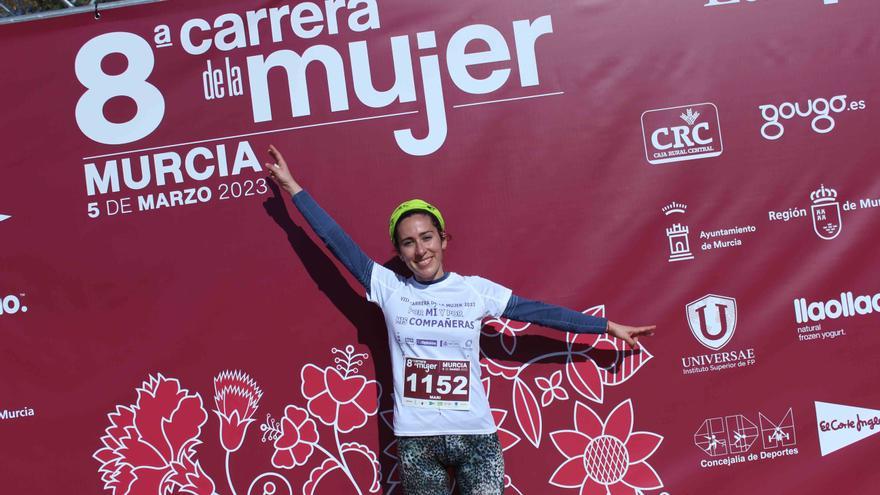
{"points": [[306, 20]]}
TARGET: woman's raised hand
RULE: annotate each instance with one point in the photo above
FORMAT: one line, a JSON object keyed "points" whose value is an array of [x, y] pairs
{"points": [[629, 334], [280, 173]]}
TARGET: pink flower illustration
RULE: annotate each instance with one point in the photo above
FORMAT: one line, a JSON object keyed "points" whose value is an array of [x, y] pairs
{"points": [[551, 388], [299, 436], [236, 396], [606, 458], [149, 447], [338, 396]]}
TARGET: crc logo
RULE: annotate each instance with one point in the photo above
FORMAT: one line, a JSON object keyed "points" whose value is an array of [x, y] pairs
{"points": [[712, 320], [820, 109], [11, 304], [681, 133]]}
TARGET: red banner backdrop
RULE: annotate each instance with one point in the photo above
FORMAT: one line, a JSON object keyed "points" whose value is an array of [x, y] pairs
{"points": [[170, 324]]}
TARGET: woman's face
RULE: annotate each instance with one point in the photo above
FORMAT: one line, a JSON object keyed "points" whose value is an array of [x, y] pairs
{"points": [[421, 247]]}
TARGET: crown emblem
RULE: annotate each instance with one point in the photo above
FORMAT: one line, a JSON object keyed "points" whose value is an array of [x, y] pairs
{"points": [[690, 116], [674, 208], [823, 195]]}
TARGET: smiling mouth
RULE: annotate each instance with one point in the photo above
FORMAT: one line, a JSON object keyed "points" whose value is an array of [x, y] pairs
{"points": [[424, 262]]}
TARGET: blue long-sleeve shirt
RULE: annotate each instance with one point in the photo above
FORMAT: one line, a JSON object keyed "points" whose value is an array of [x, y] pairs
{"points": [[361, 266]]}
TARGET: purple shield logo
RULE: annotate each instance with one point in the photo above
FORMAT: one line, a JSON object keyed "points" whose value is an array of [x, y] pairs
{"points": [[712, 320], [827, 222]]}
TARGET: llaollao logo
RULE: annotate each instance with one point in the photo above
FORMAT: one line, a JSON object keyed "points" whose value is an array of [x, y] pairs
{"points": [[12, 304]]}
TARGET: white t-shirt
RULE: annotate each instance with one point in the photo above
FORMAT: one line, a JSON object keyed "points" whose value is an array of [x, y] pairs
{"points": [[434, 337]]}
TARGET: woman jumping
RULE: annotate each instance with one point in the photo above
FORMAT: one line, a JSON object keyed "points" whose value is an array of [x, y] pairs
{"points": [[441, 413]]}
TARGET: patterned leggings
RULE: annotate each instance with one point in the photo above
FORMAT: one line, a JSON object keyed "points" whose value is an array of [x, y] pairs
{"points": [[477, 459]]}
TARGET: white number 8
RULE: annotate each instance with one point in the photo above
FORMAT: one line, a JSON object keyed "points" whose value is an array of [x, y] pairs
{"points": [[102, 86]]}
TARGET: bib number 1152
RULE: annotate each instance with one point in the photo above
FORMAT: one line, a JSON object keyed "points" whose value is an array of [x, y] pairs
{"points": [[436, 383]]}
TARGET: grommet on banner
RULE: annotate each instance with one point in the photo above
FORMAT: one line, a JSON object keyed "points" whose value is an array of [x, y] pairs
{"points": [[97, 14]]}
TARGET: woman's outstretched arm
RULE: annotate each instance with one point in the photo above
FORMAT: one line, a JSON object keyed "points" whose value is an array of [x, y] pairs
{"points": [[567, 320], [340, 244]]}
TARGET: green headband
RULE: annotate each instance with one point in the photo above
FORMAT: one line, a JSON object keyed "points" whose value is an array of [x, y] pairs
{"points": [[413, 205]]}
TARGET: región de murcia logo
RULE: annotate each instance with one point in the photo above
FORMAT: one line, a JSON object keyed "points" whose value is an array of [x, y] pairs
{"points": [[826, 211], [827, 222]]}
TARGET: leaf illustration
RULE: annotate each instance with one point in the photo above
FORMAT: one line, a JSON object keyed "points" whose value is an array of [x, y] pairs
{"points": [[625, 362], [508, 343], [508, 438], [370, 456], [318, 473], [585, 378], [527, 412]]}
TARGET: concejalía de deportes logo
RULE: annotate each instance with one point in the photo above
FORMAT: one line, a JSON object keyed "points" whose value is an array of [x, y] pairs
{"points": [[733, 439]]}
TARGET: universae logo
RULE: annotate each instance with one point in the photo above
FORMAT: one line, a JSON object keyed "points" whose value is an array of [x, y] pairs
{"points": [[712, 320], [676, 134]]}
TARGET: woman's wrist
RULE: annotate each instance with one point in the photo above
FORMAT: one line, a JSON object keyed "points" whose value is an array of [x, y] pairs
{"points": [[293, 188]]}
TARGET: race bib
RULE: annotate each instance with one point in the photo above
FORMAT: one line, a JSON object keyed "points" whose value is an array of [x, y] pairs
{"points": [[436, 383]]}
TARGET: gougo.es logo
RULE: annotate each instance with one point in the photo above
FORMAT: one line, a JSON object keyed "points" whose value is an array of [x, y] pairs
{"points": [[820, 109]]}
